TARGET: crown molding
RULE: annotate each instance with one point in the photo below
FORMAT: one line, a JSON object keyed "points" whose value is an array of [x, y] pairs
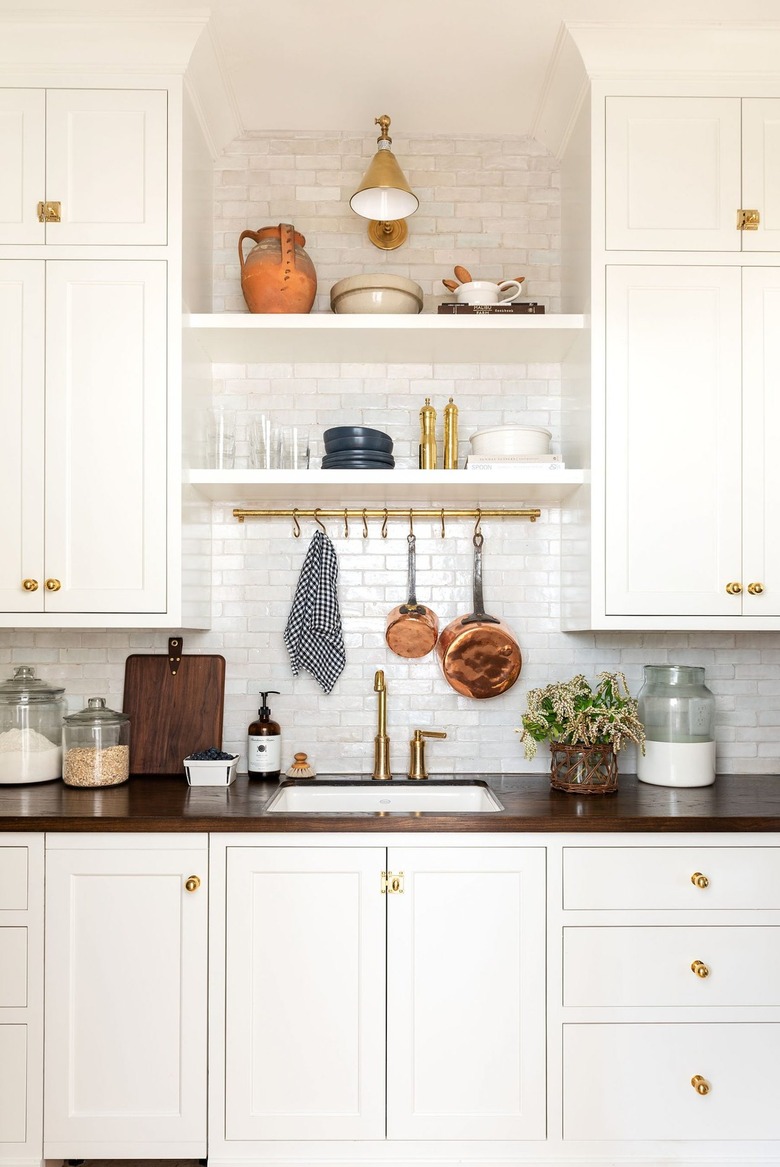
{"points": [[43, 42]]}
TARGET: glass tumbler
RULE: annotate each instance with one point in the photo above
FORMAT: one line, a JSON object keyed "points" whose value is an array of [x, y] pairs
{"points": [[220, 438], [678, 713], [293, 447]]}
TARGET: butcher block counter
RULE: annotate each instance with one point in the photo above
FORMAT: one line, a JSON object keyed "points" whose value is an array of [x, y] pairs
{"points": [[734, 803]]}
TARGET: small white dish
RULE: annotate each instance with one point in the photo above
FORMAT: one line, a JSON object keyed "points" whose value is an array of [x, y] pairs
{"points": [[218, 773]]}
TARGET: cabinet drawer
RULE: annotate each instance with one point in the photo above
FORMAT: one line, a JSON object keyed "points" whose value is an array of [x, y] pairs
{"points": [[617, 967], [13, 879], [642, 1075], [663, 877], [13, 963]]}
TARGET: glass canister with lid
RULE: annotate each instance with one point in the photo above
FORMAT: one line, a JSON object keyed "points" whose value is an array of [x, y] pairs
{"points": [[96, 746], [31, 715], [678, 713]]}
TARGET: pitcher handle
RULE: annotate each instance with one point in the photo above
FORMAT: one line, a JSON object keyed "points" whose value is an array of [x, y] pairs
{"points": [[245, 235], [509, 284]]}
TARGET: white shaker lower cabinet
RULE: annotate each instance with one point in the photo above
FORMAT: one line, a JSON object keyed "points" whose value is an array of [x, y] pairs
{"points": [[85, 476], [357, 1013], [126, 985], [21, 1000]]}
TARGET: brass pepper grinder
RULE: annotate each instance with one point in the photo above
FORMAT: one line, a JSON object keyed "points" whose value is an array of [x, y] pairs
{"points": [[427, 436], [451, 436]]}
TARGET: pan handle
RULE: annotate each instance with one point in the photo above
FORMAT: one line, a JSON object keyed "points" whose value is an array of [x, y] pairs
{"points": [[412, 541], [479, 615]]}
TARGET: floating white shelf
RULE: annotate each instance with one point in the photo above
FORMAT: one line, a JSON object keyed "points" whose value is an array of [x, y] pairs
{"points": [[243, 338], [358, 487]]}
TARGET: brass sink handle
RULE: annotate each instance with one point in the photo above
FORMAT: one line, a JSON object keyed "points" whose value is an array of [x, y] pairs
{"points": [[417, 770]]}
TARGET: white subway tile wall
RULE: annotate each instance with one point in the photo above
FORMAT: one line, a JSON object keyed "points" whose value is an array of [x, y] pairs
{"points": [[492, 205]]}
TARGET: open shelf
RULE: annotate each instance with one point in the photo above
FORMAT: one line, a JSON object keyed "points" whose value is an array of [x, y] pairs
{"points": [[243, 338], [435, 487]]}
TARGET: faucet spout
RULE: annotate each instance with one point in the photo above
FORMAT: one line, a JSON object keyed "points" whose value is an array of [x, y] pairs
{"points": [[382, 772]]}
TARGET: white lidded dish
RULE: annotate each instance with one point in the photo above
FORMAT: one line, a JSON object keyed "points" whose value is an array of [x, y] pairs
{"points": [[220, 772], [376, 293], [511, 439]]}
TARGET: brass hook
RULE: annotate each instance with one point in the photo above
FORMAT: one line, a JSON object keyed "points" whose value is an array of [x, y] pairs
{"points": [[384, 525], [296, 524], [365, 524], [443, 532], [477, 530], [411, 522], [346, 523], [318, 521]]}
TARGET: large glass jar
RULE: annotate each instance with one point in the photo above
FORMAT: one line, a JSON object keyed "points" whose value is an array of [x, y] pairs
{"points": [[31, 713], [678, 713], [96, 746]]}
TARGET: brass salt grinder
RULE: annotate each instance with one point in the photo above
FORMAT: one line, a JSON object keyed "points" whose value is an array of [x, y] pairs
{"points": [[427, 436], [451, 436]]}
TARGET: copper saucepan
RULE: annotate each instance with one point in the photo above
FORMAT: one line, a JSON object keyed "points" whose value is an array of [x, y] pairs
{"points": [[478, 654], [411, 629]]}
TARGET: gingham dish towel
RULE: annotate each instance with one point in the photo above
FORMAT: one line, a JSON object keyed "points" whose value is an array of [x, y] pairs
{"points": [[313, 634]]}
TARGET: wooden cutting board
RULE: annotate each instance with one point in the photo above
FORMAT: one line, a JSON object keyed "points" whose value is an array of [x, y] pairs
{"points": [[175, 705]]}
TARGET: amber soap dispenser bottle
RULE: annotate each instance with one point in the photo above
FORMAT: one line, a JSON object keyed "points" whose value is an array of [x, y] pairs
{"points": [[264, 743]]}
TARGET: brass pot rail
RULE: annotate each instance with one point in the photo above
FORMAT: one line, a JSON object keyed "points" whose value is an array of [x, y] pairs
{"points": [[408, 514]]}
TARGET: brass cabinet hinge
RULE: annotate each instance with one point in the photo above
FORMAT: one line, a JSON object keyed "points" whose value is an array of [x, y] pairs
{"points": [[49, 212], [392, 884], [748, 220]]}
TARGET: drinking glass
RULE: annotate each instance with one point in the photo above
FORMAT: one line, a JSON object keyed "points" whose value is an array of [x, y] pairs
{"points": [[293, 447], [220, 438], [263, 443]]}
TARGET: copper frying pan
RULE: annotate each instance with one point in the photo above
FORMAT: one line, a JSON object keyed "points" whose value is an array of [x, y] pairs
{"points": [[411, 629], [478, 654]]}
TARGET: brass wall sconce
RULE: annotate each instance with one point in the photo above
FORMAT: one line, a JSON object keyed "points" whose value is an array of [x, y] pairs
{"points": [[384, 196]]}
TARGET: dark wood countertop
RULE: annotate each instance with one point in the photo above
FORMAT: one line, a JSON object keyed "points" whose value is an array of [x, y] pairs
{"points": [[734, 803]]}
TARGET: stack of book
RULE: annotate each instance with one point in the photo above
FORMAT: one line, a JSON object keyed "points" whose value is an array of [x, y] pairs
{"points": [[510, 462], [524, 309]]}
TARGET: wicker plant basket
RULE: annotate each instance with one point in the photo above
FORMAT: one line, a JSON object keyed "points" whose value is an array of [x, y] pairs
{"points": [[583, 769]]}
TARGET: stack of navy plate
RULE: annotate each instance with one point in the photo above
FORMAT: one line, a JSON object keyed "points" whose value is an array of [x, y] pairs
{"points": [[356, 447]]}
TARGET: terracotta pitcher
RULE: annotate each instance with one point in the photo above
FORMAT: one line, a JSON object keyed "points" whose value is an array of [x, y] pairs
{"points": [[277, 275]]}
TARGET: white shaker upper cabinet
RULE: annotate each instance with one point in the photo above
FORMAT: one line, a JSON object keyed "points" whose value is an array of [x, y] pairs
{"points": [[23, 170], [679, 169], [101, 154], [674, 441], [22, 296]]}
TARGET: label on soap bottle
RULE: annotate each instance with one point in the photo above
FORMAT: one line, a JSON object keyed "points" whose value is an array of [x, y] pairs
{"points": [[264, 754]]}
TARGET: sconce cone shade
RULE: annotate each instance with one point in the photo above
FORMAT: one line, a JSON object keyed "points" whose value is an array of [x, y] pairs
{"points": [[384, 196]]}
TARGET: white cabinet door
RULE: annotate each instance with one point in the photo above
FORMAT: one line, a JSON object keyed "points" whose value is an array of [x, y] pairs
{"points": [[106, 477], [126, 983], [466, 994], [21, 424], [305, 978], [673, 441], [23, 170], [761, 171], [761, 428], [106, 163], [673, 173], [21, 999]]}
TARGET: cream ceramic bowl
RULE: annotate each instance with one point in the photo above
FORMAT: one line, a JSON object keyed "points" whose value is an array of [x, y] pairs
{"points": [[511, 439], [383, 293]]}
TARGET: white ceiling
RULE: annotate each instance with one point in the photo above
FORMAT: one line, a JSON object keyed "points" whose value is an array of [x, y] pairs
{"points": [[436, 66]]}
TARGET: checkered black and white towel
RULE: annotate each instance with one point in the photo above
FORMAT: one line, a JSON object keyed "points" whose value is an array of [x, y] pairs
{"points": [[313, 634]]}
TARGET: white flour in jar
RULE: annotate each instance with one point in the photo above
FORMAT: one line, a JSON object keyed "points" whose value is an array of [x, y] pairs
{"points": [[28, 756]]}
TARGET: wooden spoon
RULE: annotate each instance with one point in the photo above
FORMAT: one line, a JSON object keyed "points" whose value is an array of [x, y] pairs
{"points": [[451, 285], [463, 274]]}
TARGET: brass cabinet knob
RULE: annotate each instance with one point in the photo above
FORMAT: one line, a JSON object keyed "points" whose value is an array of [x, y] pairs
{"points": [[699, 880], [192, 883], [700, 968], [755, 589], [30, 585], [734, 588], [700, 1085], [53, 585]]}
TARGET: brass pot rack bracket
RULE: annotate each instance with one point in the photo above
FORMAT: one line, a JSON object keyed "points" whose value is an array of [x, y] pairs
{"points": [[363, 514]]}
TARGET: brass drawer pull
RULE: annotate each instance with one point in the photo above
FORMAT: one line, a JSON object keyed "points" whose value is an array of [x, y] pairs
{"points": [[700, 1085], [756, 589], [700, 968], [192, 883], [734, 588], [699, 880], [53, 585], [30, 585]]}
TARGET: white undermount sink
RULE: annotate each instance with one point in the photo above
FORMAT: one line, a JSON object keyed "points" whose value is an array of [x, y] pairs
{"points": [[385, 797]]}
